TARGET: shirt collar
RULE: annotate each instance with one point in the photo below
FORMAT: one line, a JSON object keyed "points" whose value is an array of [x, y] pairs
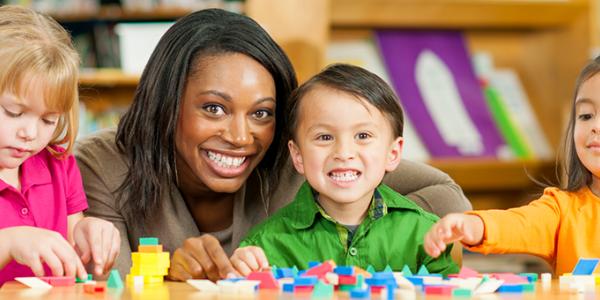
{"points": [[305, 207], [34, 171]]}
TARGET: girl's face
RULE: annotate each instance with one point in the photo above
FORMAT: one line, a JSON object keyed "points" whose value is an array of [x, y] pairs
{"points": [[226, 122], [586, 133], [27, 126]]}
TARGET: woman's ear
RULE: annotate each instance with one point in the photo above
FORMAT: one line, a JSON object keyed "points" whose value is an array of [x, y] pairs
{"points": [[296, 156], [394, 154]]}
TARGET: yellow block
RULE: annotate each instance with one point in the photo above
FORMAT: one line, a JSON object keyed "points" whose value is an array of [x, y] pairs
{"points": [[161, 259], [148, 270]]}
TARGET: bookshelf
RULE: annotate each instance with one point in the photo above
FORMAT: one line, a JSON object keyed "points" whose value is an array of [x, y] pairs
{"points": [[545, 41]]}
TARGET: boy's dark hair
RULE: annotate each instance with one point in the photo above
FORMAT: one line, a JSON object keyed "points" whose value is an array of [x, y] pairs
{"points": [[146, 133], [575, 175], [355, 81]]}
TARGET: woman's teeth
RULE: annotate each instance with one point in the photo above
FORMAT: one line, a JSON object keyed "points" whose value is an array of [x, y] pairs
{"points": [[225, 161]]}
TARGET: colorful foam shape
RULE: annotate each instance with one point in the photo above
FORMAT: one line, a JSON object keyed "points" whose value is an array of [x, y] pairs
{"points": [[267, 281], [114, 280], [423, 270], [406, 271], [585, 266], [322, 290], [148, 241]]}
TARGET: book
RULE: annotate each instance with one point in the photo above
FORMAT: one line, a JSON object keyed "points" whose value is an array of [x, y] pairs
{"points": [[438, 88], [364, 53]]}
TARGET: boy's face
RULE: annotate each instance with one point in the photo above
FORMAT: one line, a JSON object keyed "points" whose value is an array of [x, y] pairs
{"points": [[344, 146]]}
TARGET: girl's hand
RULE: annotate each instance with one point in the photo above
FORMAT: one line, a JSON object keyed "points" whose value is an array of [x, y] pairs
{"points": [[32, 246], [454, 227], [99, 240], [200, 258], [248, 259]]}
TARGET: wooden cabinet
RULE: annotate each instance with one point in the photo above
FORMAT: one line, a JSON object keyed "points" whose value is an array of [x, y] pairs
{"points": [[546, 41]]}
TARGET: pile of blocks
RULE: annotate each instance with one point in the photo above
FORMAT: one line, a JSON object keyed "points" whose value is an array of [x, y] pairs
{"points": [[149, 264], [582, 278]]}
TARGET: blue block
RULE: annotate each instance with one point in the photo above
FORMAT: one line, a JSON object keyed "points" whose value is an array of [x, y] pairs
{"points": [[585, 266], [344, 270], [360, 294], [510, 288], [300, 273], [288, 287], [381, 281], [306, 280], [383, 275], [285, 272], [312, 264], [416, 280]]}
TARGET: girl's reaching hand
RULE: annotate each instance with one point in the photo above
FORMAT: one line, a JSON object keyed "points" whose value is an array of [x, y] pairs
{"points": [[454, 227], [98, 240]]}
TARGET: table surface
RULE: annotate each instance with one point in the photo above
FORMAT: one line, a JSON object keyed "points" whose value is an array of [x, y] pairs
{"points": [[181, 290]]}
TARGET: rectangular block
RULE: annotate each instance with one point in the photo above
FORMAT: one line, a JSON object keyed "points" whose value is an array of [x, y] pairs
{"points": [[59, 280], [144, 258], [148, 270], [148, 241], [150, 248]]}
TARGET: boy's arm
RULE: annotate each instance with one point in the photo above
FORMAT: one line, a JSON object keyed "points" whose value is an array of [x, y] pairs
{"points": [[430, 188]]}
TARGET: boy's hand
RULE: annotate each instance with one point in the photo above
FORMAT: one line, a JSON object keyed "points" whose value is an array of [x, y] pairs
{"points": [[248, 259], [454, 227], [200, 258], [32, 246], [98, 240]]}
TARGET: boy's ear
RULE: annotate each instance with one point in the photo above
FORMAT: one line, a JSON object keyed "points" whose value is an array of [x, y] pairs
{"points": [[394, 154], [296, 157]]}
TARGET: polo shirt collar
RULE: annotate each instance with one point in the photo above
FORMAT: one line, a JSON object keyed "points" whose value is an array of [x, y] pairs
{"points": [[34, 171], [306, 208]]}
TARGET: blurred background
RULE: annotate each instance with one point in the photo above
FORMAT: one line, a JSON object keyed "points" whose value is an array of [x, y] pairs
{"points": [[503, 69]]}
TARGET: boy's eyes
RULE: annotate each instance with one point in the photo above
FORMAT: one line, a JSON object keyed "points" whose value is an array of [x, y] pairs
{"points": [[325, 137], [363, 135]]}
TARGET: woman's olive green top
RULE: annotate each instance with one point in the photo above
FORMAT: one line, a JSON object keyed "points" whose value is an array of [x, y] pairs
{"points": [[104, 168]]}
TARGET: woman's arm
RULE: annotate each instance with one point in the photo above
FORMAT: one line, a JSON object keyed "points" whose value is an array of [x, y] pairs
{"points": [[430, 188]]}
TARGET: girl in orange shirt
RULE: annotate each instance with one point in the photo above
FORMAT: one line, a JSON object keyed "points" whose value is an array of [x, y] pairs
{"points": [[562, 225]]}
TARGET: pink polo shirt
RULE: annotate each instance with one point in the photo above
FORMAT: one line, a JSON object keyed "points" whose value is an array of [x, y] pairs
{"points": [[51, 190]]}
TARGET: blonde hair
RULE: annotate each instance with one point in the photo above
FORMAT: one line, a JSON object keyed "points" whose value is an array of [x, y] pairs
{"points": [[36, 48]]}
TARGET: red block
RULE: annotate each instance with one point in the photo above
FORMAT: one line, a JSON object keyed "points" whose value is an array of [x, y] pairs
{"points": [[320, 270], [439, 289], [59, 280], [346, 279], [267, 281], [303, 289], [376, 289]]}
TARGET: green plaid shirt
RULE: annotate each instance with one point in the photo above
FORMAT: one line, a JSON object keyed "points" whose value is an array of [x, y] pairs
{"points": [[391, 234]]}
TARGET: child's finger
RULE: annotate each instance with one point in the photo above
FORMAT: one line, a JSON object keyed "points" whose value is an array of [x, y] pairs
{"points": [[83, 246], [95, 243], [53, 262], [248, 257], [260, 257], [241, 266], [65, 252], [36, 266], [80, 269]]}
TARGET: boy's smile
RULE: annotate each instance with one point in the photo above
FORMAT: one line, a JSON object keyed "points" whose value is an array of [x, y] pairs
{"points": [[344, 145]]}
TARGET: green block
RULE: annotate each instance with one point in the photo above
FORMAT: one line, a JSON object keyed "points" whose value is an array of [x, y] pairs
{"points": [[461, 293], [322, 290], [370, 269], [423, 270], [148, 241], [114, 280], [528, 287], [406, 271], [533, 276], [388, 269], [295, 270], [347, 287], [360, 281], [79, 280]]}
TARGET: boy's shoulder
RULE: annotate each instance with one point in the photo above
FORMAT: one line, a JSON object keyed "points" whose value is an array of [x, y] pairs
{"points": [[294, 216], [401, 205]]}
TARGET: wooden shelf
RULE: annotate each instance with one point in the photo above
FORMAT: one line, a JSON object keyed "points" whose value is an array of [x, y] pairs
{"points": [[117, 14], [456, 13], [476, 175], [108, 78]]}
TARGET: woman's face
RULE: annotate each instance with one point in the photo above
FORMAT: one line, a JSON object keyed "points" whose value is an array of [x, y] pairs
{"points": [[226, 122]]}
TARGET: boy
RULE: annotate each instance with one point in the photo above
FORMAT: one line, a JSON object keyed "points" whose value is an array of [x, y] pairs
{"points": [[346, 128]]}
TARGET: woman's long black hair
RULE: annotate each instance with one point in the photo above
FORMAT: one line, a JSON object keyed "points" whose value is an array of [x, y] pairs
{"points": [[146, 133]]}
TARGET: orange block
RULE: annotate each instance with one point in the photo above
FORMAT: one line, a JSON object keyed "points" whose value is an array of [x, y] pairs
{"points": [[150, 248]]}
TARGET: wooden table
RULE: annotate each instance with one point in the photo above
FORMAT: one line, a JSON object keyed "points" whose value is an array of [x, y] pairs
{"points": [[180, 290]]}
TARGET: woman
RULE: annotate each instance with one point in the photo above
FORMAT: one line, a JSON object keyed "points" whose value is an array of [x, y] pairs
{"points": [[200, 157]]}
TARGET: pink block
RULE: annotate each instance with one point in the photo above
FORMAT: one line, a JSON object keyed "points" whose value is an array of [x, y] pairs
{"points": [[468, 273], [303, 289], [267, 281], [59, 280], [510, 278]]}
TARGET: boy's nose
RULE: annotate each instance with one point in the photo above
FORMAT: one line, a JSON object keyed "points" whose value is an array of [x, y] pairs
{"points": [[344, 150]]}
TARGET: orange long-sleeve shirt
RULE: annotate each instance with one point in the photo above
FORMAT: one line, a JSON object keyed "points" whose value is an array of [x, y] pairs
{"points": [[560, 227]]}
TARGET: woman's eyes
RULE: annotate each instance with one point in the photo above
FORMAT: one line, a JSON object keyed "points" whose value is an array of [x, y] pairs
{"points": [[263, 114], [214, 109]]}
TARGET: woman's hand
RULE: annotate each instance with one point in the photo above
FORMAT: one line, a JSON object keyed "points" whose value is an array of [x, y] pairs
{"points": [[248, 259], [454, 227], [32, 246], [98, 240], [200, 258]]}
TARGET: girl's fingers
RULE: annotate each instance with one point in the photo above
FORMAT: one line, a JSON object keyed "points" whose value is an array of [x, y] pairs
{"points": [[114, 250], [83, 246], [35, 264], [52, 260]]}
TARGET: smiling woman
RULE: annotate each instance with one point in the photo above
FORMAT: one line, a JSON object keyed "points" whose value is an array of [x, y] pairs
{"points": [[200, 157]]}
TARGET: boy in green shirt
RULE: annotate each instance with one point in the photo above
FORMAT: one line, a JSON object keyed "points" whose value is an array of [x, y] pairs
{"points": [[345, 126]]}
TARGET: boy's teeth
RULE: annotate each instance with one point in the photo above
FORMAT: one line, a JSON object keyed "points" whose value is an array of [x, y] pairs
{"points": [[226, 161], [344, 176]]}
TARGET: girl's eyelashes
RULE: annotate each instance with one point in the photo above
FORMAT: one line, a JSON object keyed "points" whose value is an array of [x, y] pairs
{"points": [[11, 113], [584, 117]]}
